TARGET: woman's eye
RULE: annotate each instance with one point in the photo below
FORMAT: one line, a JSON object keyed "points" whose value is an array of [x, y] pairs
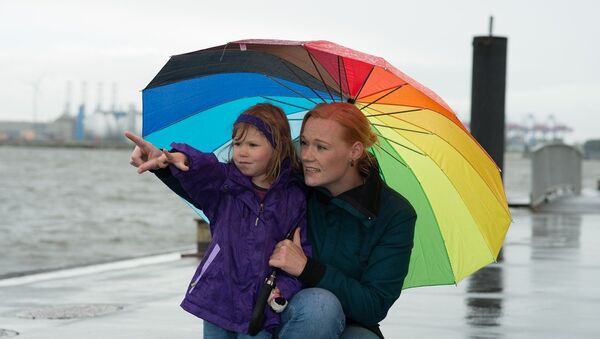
{"points": [[319, 147], [253, 145], [302, 143], [237, 143]]}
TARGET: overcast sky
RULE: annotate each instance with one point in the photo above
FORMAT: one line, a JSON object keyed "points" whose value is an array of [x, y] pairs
{"points": [[553, 51]]}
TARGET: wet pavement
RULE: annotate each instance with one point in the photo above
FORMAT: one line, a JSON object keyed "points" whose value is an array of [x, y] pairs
{"points": [[545, 286]]}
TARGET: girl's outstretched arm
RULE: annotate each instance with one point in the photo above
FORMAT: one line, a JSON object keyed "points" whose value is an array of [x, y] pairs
{"points": [[176, 159], [145, 155], [193, 183], [200, 174]]}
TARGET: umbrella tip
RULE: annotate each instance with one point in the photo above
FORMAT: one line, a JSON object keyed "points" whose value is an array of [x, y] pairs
{"points": [[351, 101]]}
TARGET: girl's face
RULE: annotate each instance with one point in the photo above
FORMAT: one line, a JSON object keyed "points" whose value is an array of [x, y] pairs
{"points": [[326, 156], [251, 155]]}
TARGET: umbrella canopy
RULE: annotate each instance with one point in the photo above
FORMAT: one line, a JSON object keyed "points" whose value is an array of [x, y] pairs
{"points": [[425, 153]]}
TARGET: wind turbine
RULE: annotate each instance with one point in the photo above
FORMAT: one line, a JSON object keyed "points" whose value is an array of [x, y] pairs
{"points": [[36, 96]]}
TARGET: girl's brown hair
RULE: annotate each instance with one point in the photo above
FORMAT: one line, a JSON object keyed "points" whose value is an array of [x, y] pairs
{"points": [[279, 127], [356, 128]]}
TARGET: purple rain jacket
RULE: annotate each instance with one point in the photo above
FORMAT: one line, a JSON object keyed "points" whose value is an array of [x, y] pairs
{"points": [[244, 233]]}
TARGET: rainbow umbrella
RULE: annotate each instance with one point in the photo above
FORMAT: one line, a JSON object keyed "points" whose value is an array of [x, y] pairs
{"points": [[425, 153]]}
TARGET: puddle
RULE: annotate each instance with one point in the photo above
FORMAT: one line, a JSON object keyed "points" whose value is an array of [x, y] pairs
{"points": [[8, 333], [70, 311]]}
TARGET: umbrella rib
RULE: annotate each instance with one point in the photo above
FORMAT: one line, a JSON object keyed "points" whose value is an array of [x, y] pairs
{"points": [[363, 84], [223, 54], [285, 103], [402, 129], [391, 155], [466, 160], [391, 113], [447, 256], [222, 147], [460, 153], [287, 87], [346, 76], [320, 75], [383, 96], [399, 144], [340, 77], [400, 119], [302, 80], [451, 183]]}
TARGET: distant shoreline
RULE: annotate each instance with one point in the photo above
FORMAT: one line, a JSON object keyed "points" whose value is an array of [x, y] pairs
{"points": [[69, 144]]}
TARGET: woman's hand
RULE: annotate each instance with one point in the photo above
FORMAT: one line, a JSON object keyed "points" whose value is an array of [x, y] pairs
{"points": [[289, 255]]}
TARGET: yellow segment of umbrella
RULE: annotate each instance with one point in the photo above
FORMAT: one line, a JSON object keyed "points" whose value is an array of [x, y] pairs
{"points": [[454, 186]]}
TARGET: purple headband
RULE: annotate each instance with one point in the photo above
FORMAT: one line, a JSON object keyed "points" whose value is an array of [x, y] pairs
{"points": [[259, 124]]}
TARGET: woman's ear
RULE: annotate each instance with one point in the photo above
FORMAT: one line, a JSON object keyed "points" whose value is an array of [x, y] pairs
{"points": [[357, 150]]}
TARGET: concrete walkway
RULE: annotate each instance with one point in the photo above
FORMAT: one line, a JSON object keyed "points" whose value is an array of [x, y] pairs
{"points": [[545, 287]]}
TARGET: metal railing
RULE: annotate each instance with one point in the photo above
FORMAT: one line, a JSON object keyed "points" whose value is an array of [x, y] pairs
{"points": [[555, 171]]}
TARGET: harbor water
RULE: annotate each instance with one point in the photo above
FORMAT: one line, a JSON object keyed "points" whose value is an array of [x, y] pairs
{"points": [[66, 207]]}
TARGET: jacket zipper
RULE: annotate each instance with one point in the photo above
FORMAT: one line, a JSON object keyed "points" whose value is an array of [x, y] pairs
{"points": [[193, 285], [260, 210]]}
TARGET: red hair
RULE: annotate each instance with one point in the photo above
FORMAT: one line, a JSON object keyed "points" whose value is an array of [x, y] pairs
{"points": [[355, 125]]}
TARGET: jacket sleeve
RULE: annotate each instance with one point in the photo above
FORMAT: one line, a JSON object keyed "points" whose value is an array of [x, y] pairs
{"points": [[368, 300], [164, 174], [201, 184]]}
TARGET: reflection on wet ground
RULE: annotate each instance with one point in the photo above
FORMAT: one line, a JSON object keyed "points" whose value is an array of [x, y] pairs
{"points": [[486, 280], [545, 286]]}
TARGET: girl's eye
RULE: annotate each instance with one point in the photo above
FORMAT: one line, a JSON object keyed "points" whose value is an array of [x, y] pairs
{"points": [[253, 145], [236, 143]]}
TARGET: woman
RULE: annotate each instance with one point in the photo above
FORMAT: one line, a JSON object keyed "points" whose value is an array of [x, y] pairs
{"points": [[360, 229]]}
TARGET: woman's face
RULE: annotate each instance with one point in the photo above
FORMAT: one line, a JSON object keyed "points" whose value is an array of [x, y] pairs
{"points": [[326, 156]]}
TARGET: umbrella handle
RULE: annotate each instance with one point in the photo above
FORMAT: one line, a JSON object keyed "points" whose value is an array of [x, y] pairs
{"points": [[258, 312]]}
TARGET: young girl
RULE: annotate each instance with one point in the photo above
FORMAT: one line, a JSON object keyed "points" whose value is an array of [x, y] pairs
{"points": [[252, 202]]}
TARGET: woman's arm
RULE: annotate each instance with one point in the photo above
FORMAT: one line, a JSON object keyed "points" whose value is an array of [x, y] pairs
{"points": [[367, 300], [289, 255], [289, 284]]}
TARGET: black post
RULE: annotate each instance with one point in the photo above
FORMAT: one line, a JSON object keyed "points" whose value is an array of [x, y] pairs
{"points": [[488, 95]]}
